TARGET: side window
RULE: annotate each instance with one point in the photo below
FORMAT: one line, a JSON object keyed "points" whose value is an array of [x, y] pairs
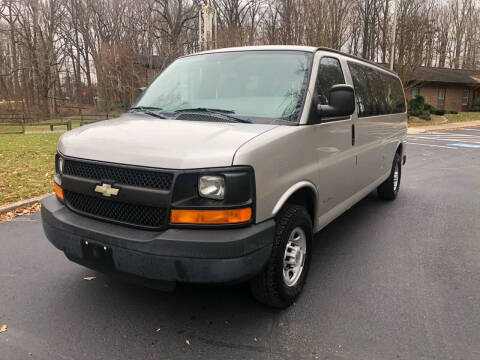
{"points": [[329, 74], [362, 89], [377, 92], [398, 96]]}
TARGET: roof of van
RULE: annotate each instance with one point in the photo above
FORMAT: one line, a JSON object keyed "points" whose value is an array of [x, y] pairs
{"points": [[311, 49], [264, 47]]}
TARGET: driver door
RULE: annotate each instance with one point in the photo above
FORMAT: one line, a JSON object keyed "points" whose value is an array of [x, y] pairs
{"points": [[335, 142]]}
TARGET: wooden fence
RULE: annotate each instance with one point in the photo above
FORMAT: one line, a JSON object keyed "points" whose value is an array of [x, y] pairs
{"points": [[19, 123]]}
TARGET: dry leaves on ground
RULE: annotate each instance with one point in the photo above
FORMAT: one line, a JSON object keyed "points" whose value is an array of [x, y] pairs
{"points": [[21, 211], [3, 328], [89, 278]]}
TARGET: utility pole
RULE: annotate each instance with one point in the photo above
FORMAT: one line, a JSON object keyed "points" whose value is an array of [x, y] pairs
{"points": [[207, 27], [394, 34]]}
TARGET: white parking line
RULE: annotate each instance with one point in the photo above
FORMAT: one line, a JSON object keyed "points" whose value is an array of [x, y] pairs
{"points": [[451, 139], [438, 146]]}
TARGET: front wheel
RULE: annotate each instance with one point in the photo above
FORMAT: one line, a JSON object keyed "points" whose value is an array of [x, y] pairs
{"points": [[284, 276], [390, 188]]}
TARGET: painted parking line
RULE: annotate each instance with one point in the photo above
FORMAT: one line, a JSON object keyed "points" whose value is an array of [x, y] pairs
{"points": [[451, 140], [465, 145], [430, 145]]}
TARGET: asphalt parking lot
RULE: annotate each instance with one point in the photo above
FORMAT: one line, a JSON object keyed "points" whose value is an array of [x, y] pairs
{"points": [[398, 280]]}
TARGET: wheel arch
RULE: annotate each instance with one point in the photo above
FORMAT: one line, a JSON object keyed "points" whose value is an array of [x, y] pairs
{"points": [[302, 193]]}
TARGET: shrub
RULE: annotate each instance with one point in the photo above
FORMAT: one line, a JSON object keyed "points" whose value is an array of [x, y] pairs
{"points": [[429, 108], [451, 112], [476, 104], [425, 115], [416, 105], [439, 112]]}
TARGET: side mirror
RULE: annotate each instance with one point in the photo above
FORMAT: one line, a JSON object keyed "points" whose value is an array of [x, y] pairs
{"points": [[341, 102]]}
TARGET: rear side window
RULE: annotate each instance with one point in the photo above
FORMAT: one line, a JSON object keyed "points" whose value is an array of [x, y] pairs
{"points": [[329, 74], [377, 92]]}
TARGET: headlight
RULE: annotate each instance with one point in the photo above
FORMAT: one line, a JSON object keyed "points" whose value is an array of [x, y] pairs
{"points": [[60, 165], [212, 187], [59, 162]]}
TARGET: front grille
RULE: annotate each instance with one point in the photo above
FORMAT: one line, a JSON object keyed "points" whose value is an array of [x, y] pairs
{"points": [[119, 175], [131, 214]]}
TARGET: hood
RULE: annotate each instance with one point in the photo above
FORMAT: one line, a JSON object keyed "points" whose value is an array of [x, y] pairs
{"points": [[138, 139]]}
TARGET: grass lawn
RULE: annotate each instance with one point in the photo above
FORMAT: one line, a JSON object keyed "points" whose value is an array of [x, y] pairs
{"points": [[26, 165], [465, 116], [438, 120]]}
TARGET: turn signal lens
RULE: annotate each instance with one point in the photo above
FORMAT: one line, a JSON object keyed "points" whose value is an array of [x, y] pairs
{"points": [[211, 217], [58, 190]]}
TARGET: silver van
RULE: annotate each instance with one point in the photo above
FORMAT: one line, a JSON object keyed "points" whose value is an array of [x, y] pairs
{"points": [[226, 167]]}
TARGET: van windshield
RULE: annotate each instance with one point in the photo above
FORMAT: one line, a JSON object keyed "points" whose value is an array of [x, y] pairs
{"points": [[258, 86]]}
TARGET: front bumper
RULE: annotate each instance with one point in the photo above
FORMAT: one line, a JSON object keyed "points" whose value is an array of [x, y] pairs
{"points": [[176, 255]]}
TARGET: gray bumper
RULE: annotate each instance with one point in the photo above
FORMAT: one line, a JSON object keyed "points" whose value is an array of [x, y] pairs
{"points": [[180, 255]]}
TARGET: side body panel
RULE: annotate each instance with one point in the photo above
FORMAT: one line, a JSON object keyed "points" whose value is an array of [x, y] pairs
{"points": [[281, 159]]}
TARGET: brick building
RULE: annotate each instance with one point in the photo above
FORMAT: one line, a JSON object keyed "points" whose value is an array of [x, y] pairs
{"points": [[448, 89]]}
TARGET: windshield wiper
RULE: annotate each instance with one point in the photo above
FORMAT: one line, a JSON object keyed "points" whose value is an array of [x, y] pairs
{"points": [[216, 111], [155, 114], [142, 108], [149, 110]]}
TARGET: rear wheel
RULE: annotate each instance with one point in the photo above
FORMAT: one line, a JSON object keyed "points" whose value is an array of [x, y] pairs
{"points": [[390, 188], [283, 278]]}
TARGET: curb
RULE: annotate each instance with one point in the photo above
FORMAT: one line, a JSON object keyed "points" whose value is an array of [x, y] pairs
{"points": [[10, 207]]}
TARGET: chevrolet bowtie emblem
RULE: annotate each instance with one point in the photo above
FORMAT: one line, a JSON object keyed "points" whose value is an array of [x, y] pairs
{"points": [[106, 190]]}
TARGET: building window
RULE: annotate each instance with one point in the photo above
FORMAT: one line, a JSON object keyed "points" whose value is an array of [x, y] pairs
{"points": [[441, 96], [466, 95], [415, 92]]}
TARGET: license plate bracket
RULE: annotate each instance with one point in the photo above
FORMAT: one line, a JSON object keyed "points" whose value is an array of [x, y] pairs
{"points": [[98, 254]]}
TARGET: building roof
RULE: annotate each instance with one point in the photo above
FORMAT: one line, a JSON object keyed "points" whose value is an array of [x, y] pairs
{"points": [[445, 75]]}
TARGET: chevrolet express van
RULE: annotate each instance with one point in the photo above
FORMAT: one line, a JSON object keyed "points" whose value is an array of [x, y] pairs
{"points": [[227, 166]]}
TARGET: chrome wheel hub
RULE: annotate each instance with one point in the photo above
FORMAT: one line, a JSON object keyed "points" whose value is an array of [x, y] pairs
{"points": [[396, 177], [294, 257]]}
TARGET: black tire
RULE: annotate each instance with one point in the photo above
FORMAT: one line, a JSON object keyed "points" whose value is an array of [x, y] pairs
{"points": [[269, 287], [388, 190]]}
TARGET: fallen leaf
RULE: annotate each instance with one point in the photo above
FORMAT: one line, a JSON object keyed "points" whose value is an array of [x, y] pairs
{"points": [[158, 330], [187, 341], [255, 339], [3, 328], [26, 210], [89, 278]]}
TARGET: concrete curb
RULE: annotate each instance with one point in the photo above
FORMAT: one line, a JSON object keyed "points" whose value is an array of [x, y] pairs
{"points": [[444, 127], [10, 207]]}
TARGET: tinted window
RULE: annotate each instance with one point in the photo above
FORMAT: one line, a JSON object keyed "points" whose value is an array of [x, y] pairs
{"points": [[377, 92], [329, 74]]}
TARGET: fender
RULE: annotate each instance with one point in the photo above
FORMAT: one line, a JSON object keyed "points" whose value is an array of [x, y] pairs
{"points": [[286, 195]]}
